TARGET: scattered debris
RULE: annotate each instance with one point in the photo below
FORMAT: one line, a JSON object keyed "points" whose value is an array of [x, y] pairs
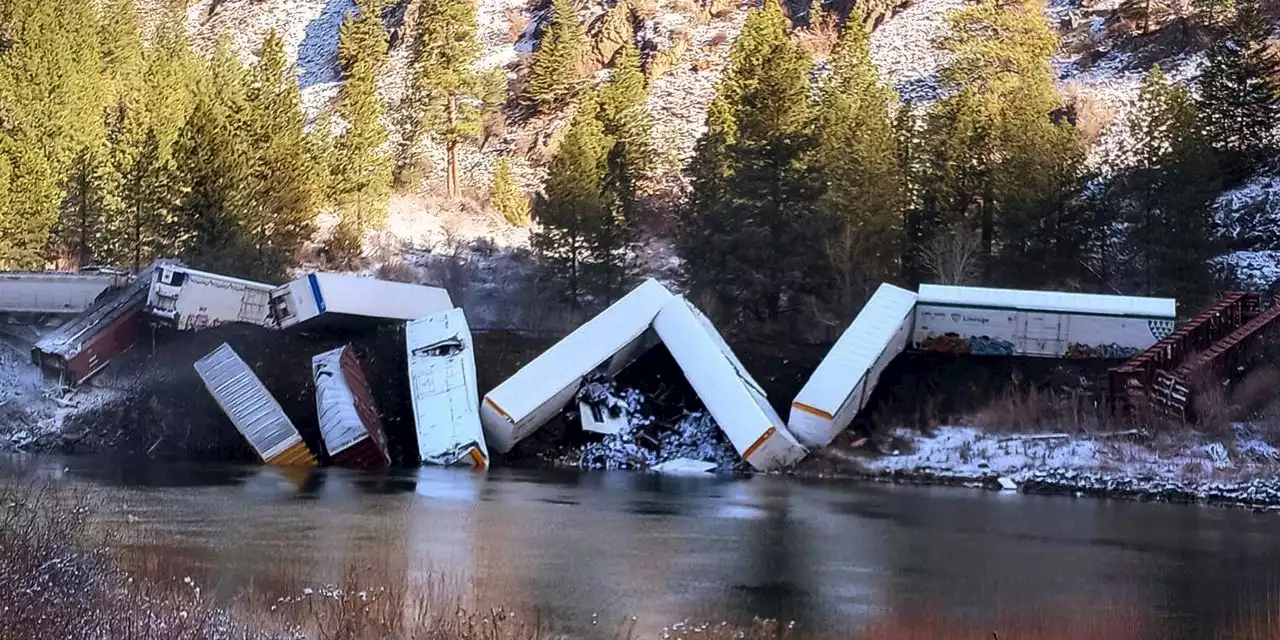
{"points": [[685, 466]]}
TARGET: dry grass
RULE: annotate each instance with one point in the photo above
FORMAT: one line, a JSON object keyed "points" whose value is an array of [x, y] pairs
{"points": [[1017, 411]]}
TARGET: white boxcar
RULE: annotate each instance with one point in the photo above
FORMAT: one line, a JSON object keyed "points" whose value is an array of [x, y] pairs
{"points": [[252, 409], [978, 321], [188, 299], [541, 389], [840, 386], [731, 395], [349, 423], [320, 294], [442, 387]]}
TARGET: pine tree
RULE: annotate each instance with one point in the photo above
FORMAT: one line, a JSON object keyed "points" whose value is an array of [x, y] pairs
{"points": [[446, 94], [31, 211], [506, 197], [214, 163], [145, 225], [361, 174], [1240, 94], [557, 67], [859, 162], [752, 219], [171, 79], [362, 38], [123, 62], [82, 206], [574, 213], [51, 105], [624, 113], [1165, 197], [1000, 166], [280, 208]]}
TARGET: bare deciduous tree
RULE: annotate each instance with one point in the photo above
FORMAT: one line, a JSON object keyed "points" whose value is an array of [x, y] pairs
{"points": [[952, 257]]}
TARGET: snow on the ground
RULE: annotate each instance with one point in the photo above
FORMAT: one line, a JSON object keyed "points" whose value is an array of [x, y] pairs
{"points": [[904, 49], [1257, 270], [678, 100], [1249, 215], [1114, 82], [493, 21], [1192, 465]]}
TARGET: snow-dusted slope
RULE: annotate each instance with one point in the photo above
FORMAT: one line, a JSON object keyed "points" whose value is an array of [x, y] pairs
{"points": [[904, 48]]}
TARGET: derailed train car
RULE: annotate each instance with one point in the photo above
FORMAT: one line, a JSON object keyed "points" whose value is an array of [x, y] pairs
{"points": [[252, 409], [442, 382], [1052, 324], [541, 389], [736, 401], [189, 300], [841, 385], [349, 423], [335, 295]]}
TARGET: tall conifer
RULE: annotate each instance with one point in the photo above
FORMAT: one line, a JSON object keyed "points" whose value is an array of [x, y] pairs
{"points": [[557, 69], [859, 162], [1240, 93], [752, 222]]}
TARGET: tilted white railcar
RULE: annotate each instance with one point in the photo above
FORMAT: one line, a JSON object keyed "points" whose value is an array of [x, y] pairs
{"points": [[542, 388], [732, 396], [842, 383], [334, 294], [252, 409], [187, 299], [1010, 322], [442, 385]]}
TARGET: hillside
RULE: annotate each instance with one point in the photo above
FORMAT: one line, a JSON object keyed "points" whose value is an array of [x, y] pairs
{"points": [[1100, 65]]}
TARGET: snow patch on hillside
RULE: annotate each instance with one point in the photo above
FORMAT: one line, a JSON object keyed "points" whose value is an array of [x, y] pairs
{"points": [[1114, 82], [905, 50], [678, 100]]}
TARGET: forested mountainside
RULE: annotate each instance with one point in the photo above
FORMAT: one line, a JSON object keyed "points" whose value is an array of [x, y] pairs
{"points": [[778, 160]]}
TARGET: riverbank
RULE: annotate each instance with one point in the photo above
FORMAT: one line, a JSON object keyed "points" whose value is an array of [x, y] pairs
{"points": [[1237, 469]]}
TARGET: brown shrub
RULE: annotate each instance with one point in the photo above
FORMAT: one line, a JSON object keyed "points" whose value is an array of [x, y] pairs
{"points": [[1092, 115], [719, 39], [396, 272]]}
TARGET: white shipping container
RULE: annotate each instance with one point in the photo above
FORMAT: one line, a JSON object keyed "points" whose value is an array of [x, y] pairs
{"points": [[190, 300], [731, 395], [442, 386], [538, 391], [319, 294], [982, 321], [842, 383], [251, 408]]}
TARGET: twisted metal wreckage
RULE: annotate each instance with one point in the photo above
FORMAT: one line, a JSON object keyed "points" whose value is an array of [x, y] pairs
{"points": [[454, 426]]}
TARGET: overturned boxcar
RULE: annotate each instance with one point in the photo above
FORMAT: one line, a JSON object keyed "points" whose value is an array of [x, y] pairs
{"points": [[349, 423], [442, 384], [841, 385], [252, 409]]}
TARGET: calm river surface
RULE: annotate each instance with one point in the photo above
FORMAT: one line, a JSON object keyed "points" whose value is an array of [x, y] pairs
{"points": [[608, 546]]}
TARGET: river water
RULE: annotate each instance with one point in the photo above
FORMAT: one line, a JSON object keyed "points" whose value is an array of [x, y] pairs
{"points": [[589, 550]]}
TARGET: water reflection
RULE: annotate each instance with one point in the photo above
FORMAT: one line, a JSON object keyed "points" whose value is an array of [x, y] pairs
{"points": [[590, 550]]}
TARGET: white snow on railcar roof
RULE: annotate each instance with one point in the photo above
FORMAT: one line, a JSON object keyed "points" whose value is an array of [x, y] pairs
{"points": [[1059, 301]]}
